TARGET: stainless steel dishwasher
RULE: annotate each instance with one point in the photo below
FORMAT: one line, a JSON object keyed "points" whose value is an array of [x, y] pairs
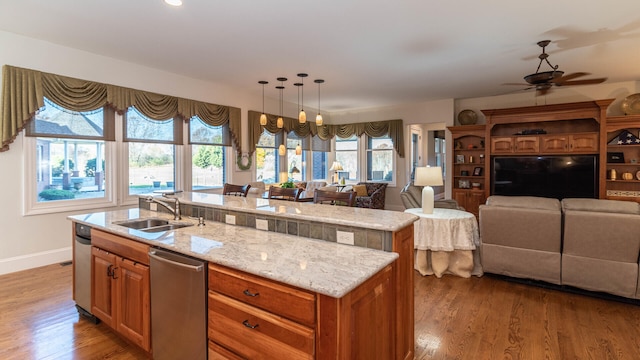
{"points": [[178, 306]]}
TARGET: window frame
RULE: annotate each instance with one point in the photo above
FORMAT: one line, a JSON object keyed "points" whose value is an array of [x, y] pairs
{"points": [[367, 150]]}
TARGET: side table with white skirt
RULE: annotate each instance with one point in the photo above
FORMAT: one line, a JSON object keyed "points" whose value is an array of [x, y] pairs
{"points": [[447, 242]]}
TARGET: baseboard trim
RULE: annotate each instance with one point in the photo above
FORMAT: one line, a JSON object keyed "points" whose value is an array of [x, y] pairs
{"points": [[30, 261]]}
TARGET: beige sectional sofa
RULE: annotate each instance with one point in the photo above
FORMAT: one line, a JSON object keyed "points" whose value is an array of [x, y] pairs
{"points": [[601, 245], [585, 243], [522, 237]]}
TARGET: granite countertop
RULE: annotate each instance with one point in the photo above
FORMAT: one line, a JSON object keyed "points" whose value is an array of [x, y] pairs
{"points": [[375, 219], [328, 268]]}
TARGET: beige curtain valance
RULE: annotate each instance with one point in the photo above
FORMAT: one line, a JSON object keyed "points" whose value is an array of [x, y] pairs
{"points": [[23, 92], [326, 132]]}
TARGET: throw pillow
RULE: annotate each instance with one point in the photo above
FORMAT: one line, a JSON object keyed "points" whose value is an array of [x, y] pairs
{"points": [[361, 190]]}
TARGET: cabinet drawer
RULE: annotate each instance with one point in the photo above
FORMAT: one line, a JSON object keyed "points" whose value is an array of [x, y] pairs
{"points": [[292, 303], [232, 323], [217, 352], [131, 249]]}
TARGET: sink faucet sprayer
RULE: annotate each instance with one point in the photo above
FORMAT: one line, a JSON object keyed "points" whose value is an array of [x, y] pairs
{"points": [[175, 212]]}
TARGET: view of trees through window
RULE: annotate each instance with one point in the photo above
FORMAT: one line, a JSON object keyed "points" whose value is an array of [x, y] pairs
{"points": [[267, 158], [208, 155], [379, 158], [66, 156]]}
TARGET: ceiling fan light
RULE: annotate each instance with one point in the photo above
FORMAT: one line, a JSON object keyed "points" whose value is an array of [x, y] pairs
{"points": [[263, 119], [318, 120]]}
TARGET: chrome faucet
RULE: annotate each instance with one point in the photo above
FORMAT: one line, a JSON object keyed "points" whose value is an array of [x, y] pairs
{"points": [[175, 211]]}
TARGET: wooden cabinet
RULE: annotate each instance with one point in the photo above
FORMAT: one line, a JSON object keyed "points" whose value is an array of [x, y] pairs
{"points": [[470, 164], [621, 188], [284, 322], [120, 286], [569, 143], [514, 145], [470, 200]]}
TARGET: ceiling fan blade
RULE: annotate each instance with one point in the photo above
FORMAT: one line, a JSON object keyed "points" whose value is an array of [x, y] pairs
{"points": [[571, 76], [518, 84], [582, 82]]}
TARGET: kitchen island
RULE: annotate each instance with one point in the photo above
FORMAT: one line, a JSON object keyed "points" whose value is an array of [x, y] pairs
{"points": [[351, 304]]}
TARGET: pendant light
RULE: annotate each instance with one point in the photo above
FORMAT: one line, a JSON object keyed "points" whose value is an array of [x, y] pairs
{"points": [[281, 150], [302, 117], [298, 149], [263, 117], [319, 116], [280, 122]]}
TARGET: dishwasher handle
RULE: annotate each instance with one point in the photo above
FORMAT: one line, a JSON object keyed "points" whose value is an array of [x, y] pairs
{"points": [[159, 257]]}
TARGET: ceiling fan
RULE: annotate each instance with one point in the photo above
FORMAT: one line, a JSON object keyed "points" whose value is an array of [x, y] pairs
{"points": [[543, 81]]}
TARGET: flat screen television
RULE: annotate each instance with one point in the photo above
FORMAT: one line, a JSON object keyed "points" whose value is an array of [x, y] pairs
{"points": [[553, 176]]}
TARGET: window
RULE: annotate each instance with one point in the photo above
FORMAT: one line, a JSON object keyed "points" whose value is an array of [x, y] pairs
{"points": [[347, 156], [208, 154], [66, 160], [380, 159], [267, 159], [295, 169], [319, 150], [151, 152]]}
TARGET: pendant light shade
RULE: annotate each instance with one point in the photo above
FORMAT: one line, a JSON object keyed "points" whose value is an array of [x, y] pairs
{"points": [[302, 116], [280, 122], [298, 149], [263, 117], [319, 116], [281, 150]]}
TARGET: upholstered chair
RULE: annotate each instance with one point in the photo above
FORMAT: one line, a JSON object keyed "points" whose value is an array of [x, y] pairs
{"points": [[375, 195], [411, 196]]}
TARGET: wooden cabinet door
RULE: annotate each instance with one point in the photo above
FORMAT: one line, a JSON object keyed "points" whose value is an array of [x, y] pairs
{"points": [[583, 143], [527, 144], [460, 196], [474, 200], [103, 286], [501, 145], [554, 143], [133, 311]]}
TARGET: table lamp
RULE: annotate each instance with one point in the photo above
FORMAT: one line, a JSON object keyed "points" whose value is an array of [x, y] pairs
{"points": [[427, 177], [335, 167]]}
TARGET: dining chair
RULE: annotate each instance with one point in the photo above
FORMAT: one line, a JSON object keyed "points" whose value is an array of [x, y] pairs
{"points": [[279, 193], [235, 190], [342, 198]]}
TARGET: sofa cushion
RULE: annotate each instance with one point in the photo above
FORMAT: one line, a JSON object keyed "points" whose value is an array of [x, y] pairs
{"points": [[527, 202], [608, 206], [361, 190]]}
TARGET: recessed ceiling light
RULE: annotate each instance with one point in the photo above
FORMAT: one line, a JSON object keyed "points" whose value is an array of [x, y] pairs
{"points": [[174, 2]]}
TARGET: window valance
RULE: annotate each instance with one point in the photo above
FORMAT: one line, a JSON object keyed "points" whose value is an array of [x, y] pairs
{"points": [[375, 128], [24, 90]]}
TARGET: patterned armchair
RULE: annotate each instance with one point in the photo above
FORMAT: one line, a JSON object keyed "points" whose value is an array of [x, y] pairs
{"points": [[375, 195]]}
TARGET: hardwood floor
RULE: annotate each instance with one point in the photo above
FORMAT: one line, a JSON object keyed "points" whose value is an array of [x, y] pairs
{"points": [[477, 318]]}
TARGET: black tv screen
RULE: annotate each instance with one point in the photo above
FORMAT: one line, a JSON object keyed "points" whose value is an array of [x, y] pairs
{"points": [[554, 176]]}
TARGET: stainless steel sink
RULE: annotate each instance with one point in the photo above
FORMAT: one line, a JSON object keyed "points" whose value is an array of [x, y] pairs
{"points": [[165, 227], [151, 225], [142, 223]]}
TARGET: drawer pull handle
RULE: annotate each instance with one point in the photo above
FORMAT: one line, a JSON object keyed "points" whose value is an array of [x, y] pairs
{"points": [[249, 293], [247, 324]]}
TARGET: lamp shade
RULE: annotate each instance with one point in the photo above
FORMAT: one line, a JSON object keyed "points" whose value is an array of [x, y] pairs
{"points": [[427, 177], [263, 119], [282, 150], [318, 120], [335, 166]]}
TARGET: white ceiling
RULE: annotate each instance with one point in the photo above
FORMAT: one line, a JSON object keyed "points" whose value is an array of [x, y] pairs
{"points": [[370, 52]]}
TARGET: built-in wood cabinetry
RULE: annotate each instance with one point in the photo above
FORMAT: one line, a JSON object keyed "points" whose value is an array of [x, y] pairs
{"points": [[120, 287], [469, 166], [626, 183], [284, 322], [559, 129]]}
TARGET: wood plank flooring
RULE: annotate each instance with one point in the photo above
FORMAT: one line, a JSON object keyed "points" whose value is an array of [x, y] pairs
{"points": [[477, 318]]}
